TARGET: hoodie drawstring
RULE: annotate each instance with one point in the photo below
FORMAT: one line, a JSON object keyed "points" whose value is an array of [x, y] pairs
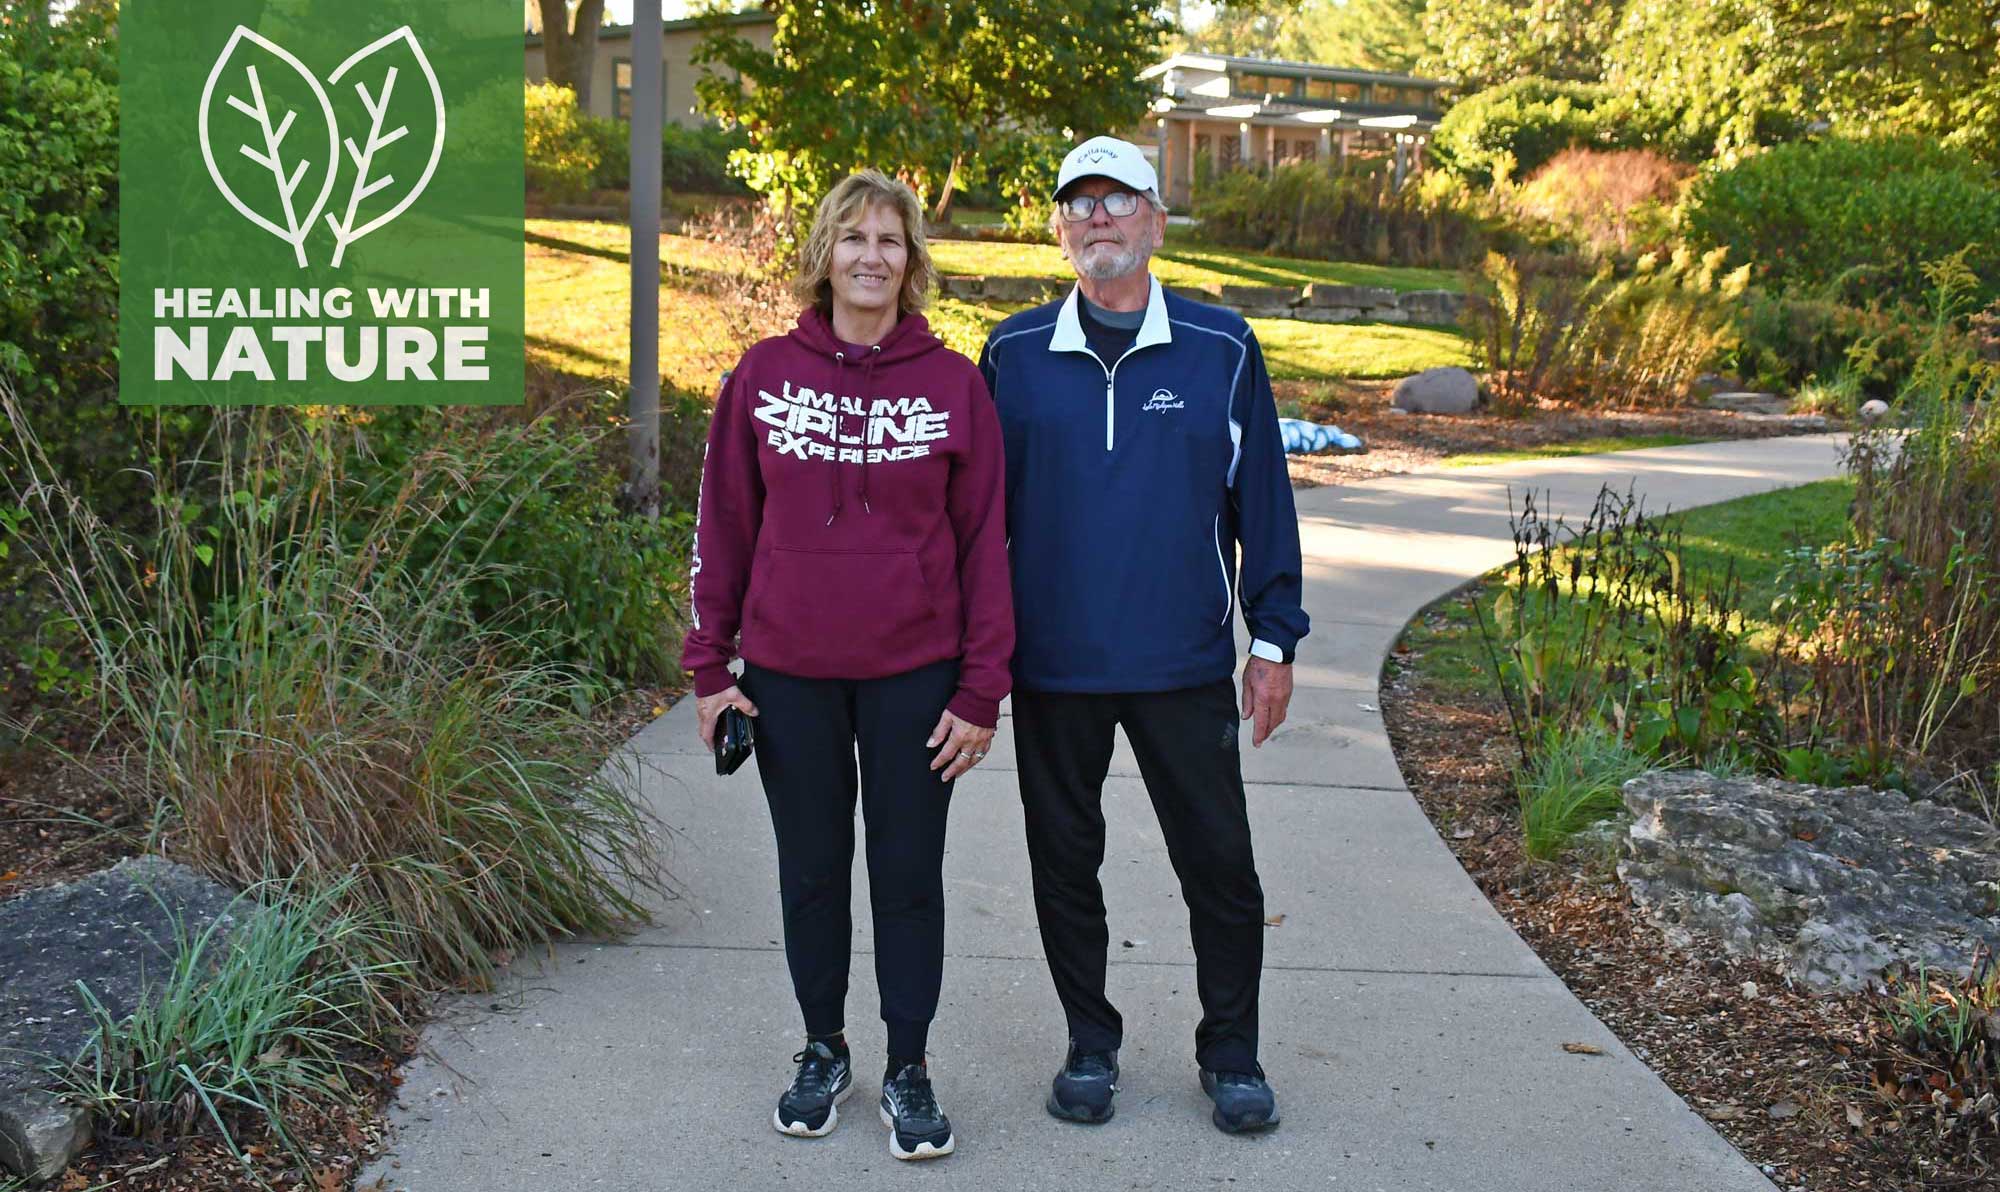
{"points": [[867, 389], [867, 384]]}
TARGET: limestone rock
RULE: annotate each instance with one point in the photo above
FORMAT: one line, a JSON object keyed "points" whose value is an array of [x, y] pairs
{"points": [[1329, 314], [1749, 403], [1447, 390], [1019, 289], [955, 286], [1260, 298], [1873, 409], [109, 930], [1829, 884], [1321, 293], [1438, 307]]}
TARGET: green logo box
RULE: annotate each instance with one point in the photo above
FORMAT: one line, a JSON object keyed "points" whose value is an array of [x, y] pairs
{"points": [[320, 202]]}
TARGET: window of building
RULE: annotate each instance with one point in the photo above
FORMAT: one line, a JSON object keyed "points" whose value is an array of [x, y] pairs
{"points": [[1319, 89], [1306, 150], [1232, 152], [1350, 92], [621, 88]]}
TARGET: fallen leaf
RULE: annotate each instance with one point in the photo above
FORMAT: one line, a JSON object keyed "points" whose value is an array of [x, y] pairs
{"points": [[1462, 834], [1855, 1119], [1274, 921], [1784, 1109], [1583, 1049], [10, 875], [331, 1179], [1723, 1113]]}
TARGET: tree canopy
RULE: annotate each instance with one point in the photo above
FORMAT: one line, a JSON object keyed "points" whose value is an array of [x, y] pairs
{"points": [[932, 91]]}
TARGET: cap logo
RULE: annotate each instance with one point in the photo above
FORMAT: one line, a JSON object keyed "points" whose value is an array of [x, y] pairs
{"points": [[1092, 157]]}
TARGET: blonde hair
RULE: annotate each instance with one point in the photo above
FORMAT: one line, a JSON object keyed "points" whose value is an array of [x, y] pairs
{"points": [[841, 209]]}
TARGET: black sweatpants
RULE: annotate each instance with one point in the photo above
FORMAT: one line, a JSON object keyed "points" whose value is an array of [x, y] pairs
{"points": [[1185, 741], [807, 731]]}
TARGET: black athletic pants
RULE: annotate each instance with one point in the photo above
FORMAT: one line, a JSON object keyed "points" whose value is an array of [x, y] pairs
{"points": [[807, 731], [1185, 741]]}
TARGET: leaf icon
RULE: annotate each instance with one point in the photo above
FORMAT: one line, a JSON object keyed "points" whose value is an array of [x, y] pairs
{"points": [[391, 91], [255, 75]]}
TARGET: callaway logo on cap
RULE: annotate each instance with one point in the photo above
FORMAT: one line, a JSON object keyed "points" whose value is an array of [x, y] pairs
{"points": [[1108, 157]]}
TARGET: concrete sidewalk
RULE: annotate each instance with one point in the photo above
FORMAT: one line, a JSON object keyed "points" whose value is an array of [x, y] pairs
{"points": [[1414, 1040]]}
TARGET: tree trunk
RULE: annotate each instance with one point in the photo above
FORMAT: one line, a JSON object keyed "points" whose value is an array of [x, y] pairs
{"points": [[942, 211], [570, 48]]}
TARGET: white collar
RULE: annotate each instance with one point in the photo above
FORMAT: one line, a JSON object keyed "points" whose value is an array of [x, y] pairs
{"points": [[1068, 336]]}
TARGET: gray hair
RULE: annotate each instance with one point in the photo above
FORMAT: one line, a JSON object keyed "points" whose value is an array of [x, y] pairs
{"points": [[1152, 198]]}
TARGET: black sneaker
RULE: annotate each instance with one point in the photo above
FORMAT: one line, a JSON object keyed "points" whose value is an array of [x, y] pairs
{"points": [[1082, 1091], [918, 1129], [1244, 1102], [809, 1109]]}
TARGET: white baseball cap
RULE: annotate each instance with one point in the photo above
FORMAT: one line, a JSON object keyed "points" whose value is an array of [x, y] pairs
{"points": [[1108, 157]]}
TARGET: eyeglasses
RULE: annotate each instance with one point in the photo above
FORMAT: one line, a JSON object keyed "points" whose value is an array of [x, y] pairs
{"points": [[1117, 204]]}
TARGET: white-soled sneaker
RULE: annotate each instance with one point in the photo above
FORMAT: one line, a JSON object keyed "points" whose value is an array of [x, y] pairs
{"points": [[810, 1107], [918, 1129]]}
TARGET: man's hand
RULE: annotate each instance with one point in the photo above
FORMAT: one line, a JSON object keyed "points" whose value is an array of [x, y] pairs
{"points": [[965, 746], [708, 708], [1267, 693]]}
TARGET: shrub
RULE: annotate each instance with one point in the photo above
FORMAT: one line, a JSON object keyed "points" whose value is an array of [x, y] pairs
{"points": [[563, 152], [1900, 626], [1849, 219], [1307, 210], [1935, 1050], [553, 564], [1610, 202], [1550, 326], [1572, 780], [274, 1005], [1604, 625], [1511, 131], [696, 160], [1779, 341], [331, 707]]}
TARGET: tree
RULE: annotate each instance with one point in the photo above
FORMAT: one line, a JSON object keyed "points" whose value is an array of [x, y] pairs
{"points": [[932, 91], [569, 47], [1478, 43], [1386, 35], [1707, 67]]}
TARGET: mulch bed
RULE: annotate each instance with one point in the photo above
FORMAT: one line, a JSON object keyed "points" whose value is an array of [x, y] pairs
{"points": [[1414, 442], [1779, 1073]]}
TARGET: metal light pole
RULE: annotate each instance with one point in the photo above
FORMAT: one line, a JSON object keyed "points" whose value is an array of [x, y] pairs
{"points": [[643, 409]]}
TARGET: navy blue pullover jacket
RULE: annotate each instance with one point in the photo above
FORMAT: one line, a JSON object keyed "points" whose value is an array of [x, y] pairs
{"points": [[1132, 484]]}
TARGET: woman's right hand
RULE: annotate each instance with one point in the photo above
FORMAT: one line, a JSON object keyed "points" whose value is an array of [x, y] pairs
{"points": [[708, 708]]}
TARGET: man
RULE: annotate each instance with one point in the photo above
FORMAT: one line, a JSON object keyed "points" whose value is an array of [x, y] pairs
{"points": [[1142, 453]]}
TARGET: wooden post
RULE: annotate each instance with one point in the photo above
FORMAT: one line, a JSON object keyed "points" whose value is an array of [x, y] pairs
{"points": [[642, 486]]}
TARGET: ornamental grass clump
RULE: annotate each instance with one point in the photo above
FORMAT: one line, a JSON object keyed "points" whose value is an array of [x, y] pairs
{"points": [[280, 1003], [1934, 1049], [298, 695]]}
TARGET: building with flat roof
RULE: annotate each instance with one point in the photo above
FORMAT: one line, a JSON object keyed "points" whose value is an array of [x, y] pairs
{"points": [[1237, 113], [611, 70]]}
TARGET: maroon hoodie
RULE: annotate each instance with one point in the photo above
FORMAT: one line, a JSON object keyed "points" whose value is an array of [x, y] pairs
{"points": [[852, 519]]}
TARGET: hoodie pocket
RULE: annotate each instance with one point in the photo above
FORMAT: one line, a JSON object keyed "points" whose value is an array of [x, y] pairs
{"points": [[828, 611]]}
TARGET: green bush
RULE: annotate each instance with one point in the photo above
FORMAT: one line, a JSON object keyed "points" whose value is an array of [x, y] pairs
{"points": [[58, 199], [1848, 220], [1510, 131], [552, 562], [1306, 210], [563, 152], [1782, 341], [696, 160]]}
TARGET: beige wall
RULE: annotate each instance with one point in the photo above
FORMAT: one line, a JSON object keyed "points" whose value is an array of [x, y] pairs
{"points": [[681, 73]]}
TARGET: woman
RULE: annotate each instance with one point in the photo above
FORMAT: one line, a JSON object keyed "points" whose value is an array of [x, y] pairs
{"points": [[851, 525]]}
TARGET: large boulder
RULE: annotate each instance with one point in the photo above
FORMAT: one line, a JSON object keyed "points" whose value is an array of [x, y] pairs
{"points": [[111, 930], [1829, 884], [1260, 298], [1446, 390], [1747, 402]]}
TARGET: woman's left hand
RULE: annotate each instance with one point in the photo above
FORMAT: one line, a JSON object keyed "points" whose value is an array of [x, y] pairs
{"points": [[964, 746]]}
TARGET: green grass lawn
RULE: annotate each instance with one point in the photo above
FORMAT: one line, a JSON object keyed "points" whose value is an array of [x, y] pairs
{"points": [[1186, 264], [1753, 533], [1574, 447], [578, 316]]}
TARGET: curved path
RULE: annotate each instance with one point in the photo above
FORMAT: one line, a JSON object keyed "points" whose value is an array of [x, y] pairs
{"points": [[1415, 1041]]}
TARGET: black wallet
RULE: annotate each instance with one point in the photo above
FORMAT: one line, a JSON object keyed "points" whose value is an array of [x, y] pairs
{"points": [[733, 739]]}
